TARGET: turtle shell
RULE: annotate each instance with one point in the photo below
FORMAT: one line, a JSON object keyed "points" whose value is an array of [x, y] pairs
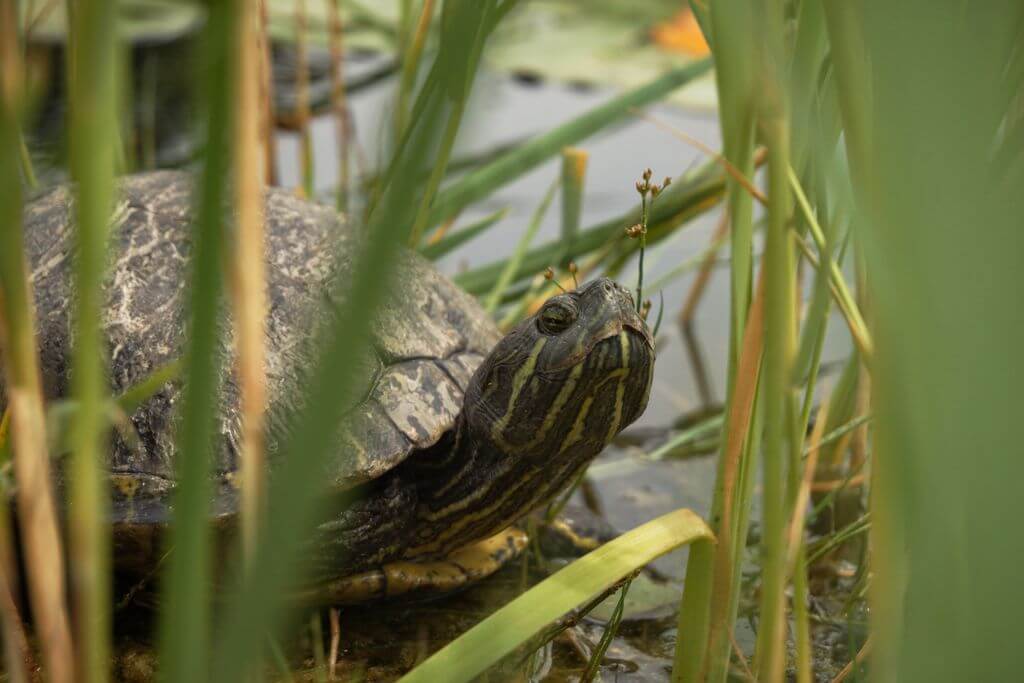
{"points": [[428, 338]]}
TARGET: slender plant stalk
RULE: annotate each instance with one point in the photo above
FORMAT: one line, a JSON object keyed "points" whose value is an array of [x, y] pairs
{"points": [[411, 64], [44, 557], [339, 102], [437, 173], [92, 69], [732, 28], [184, 625], [707, 262], [302, 112], [694, 619], [610, 630], [858, 328], [494, 298], [741, 409], [248, 276], [729, 26], [796, 561], [801, 618], [26, 163], [779, 355], [17, 656], [266, 101]]}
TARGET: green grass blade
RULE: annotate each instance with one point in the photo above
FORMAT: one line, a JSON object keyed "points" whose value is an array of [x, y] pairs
{"points": [[473, 652], [844, 298], [779, 350], [436, 250], [185, 616], [712, 426], [132, 398], [93, 105], [694, 621], [494, 298], [481, 183], [610, 629]]}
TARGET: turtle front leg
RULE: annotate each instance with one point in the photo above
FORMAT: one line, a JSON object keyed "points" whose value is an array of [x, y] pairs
{"points": [[422, 580]]}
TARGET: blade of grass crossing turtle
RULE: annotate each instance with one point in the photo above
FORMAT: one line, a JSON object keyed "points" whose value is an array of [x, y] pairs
{"points": [[92, 69], [185, 615]]}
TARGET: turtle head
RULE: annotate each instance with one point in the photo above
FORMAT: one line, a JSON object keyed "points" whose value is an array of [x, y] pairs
{"points": [[547, 399], [565, 381]]}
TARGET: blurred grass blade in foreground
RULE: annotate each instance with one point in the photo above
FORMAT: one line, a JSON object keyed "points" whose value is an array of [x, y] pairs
{"points": [[185, 612], [943, 209]]}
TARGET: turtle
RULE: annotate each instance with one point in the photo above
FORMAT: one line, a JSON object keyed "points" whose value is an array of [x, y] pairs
{"points": [[456, 430]]}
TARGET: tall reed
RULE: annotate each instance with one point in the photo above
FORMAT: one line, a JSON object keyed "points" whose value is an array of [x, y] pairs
{"points": [[92, 68], [43, 552], [247, 269]]}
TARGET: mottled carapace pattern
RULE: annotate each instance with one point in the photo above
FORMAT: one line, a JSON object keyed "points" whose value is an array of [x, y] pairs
{"points": [[427, 341]]}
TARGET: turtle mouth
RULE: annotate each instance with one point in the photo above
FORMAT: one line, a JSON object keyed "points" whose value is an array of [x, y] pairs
{"points": [[626, 350], [623, 311]]}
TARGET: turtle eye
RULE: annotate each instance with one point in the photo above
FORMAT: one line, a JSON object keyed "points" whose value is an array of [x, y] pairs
{"points": [[556, 316]]}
